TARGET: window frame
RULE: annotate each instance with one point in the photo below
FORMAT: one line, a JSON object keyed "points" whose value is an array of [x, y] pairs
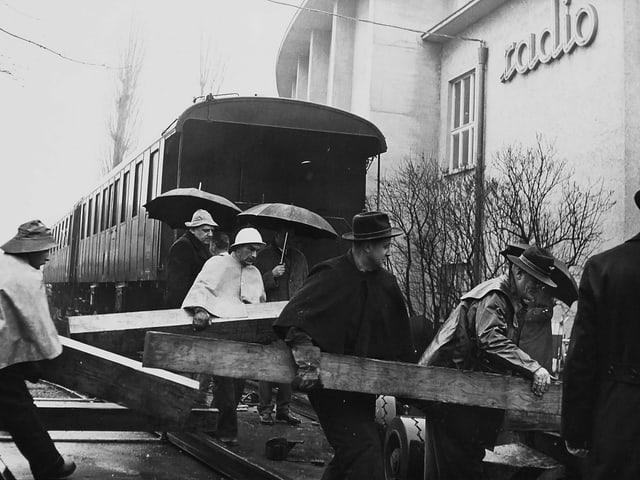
{"points": [[462, 122]]}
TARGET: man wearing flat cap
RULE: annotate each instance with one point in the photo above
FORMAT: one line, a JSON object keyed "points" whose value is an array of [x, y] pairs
{"points": [[27, 336], [187, 256], [349, 305], [479, 335], [601, 384]]}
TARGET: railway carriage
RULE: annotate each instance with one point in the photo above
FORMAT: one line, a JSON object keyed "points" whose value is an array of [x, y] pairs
{"points": [[112, 256]]}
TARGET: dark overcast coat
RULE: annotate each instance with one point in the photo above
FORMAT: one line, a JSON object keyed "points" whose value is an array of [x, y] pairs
{"points": [[602, 375], [186, 258]]}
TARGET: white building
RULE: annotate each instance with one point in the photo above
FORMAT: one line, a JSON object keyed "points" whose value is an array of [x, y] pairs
{"points": [[568, 70]]}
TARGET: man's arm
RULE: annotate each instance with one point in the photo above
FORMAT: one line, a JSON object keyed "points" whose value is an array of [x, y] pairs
{"points": [[581, 369]]}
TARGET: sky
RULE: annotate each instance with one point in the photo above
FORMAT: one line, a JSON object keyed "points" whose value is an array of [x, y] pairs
{"points": [[54, 112]]}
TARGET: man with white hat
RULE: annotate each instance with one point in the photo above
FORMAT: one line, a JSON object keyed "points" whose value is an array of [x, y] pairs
{"points": [[223, 287], [27, 336], [187, 256]]}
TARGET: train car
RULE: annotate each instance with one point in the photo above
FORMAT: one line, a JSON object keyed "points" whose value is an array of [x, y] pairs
{"points": [[112, 257]]}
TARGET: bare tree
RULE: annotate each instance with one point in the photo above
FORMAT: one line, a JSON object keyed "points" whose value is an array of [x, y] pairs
{"points": [[531, 199], [122, 121], [213, 64]]}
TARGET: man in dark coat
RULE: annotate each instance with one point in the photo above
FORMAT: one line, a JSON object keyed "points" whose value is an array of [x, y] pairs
{"points": [[187, 256], [481, 334], [602, 374], [284, 269], [349, 305]]}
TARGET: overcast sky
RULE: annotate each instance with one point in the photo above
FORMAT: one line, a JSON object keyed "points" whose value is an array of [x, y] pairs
{"points": [[53, 112]]}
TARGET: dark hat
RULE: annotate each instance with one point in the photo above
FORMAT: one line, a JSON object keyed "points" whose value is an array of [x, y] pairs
{"points": [[537, 263], [636, 197], [32, 236], [371, 226]]}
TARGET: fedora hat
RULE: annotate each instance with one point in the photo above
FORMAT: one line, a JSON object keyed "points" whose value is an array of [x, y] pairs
{"points": [[32, 236], [537, 263], [200, 217], [247, 236], [636, 197], [371, 226]]}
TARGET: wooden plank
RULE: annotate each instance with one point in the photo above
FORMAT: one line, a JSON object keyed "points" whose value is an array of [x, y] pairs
{"points": [[86, 415], [533, 421], [274, 363], [5, 473], [108, 376], [161, 318], [123, 333]]}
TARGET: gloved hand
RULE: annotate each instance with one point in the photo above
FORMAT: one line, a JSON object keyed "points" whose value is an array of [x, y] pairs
{"points": [[576, 452], [541, 381], [200, 319], [307, 358]]}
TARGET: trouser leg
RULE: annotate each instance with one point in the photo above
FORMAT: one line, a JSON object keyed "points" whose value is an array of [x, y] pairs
{"points": [[283, 398], [20, 417], [265, 394], [348, 421], [227, 395]]}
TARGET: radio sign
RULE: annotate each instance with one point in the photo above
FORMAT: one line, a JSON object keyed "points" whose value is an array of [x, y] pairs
{"points": [[579, 30]]}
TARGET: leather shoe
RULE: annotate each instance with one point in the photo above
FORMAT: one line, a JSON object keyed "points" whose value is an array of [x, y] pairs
{"points": [[287, 417], [266, 419], [63, 469]]}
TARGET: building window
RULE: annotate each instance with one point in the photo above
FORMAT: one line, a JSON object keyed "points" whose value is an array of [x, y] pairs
{"points": [[462, 94]]}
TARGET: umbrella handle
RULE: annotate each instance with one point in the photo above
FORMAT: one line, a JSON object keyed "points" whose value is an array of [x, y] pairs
{"points": [[284, 247]]}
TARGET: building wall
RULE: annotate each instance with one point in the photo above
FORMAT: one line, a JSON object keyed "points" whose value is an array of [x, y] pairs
{"points": [[576, 102]]}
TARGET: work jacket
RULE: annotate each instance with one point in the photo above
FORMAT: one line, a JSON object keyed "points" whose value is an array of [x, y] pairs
{"points": [[186, 258], [480, 332], [27, 333], [282, 288]]}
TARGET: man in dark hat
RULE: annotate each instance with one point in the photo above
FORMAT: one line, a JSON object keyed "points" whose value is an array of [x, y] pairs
{"points": [[349, 305], [479, 335], [27, 336], [601, 387], [187, 256]]}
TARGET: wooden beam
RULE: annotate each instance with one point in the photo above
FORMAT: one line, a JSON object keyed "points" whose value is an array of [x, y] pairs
{"points": [[108, 376], [123, 333], [84, 415], [5, 473], [340, 372]]}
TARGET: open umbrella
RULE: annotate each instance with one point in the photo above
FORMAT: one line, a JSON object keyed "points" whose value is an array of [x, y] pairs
{"points": [[176, 206], [567, 289], [275, 216]]}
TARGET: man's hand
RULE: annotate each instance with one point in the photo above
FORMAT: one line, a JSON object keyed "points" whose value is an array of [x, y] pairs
{"points": [[307, 358], [541, 381], [576, 452], [200, 319], [278, 270]]}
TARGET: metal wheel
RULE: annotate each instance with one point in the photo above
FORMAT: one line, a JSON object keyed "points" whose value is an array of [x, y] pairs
{"points": [[403, 454]]}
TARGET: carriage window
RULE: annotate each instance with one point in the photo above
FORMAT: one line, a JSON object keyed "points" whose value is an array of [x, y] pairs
{"points": [[104, 214], [153, 176], [123, 204], [96, 217], [137, 183], [462, 94], [83, 213], [89, 217], [114, 201]]}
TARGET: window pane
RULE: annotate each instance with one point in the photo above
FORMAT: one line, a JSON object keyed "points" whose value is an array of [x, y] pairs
{"points": [[105, 209], [136, 189], [115, 198], [466, 116], [90, 218], [125, 190], [456, 105], [152, 176], [455, 151], [96, 218], [464, 161]]}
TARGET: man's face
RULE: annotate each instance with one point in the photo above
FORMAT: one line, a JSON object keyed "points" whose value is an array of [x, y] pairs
{"points": [[377, 252], [527, 287], [203, 233], [38, 259], [246, 254]]}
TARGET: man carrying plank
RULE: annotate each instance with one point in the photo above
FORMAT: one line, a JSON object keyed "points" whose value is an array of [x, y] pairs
{"points": [[349, 305], [481, 335], [221, 289]]}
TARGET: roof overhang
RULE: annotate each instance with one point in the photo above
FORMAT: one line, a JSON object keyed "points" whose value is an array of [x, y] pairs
{"points": [[460, 20], [286, 114]]}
